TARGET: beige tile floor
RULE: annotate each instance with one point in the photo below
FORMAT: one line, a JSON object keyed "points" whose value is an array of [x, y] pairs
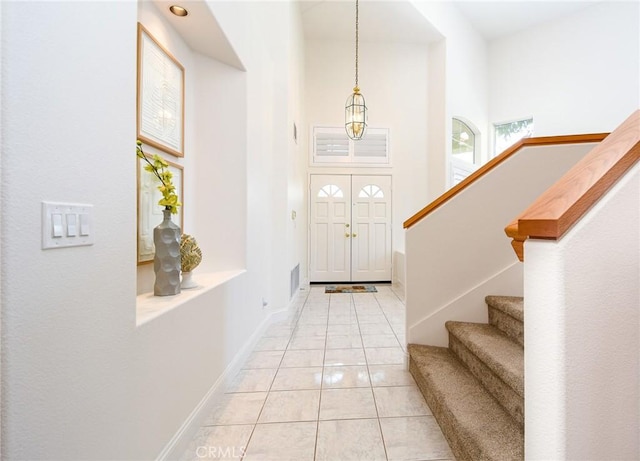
{"points": [[327, 383]]}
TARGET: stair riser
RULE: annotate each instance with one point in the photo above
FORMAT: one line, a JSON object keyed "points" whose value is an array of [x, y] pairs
{"points": [[443, 417], [508, 398], [510, 326]]}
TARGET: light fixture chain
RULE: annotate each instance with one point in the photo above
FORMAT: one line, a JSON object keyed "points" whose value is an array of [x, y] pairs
{"points": [[357, 23]]}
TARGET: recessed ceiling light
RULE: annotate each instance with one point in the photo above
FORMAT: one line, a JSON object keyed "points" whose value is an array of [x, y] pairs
{"points": [[178, 10]]}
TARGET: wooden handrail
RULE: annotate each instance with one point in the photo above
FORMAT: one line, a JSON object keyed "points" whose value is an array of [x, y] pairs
{"points": [[490, 165], [564, 203]]}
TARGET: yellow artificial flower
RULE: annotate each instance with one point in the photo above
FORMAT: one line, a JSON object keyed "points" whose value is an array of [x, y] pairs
{"points": [[159, 167]]}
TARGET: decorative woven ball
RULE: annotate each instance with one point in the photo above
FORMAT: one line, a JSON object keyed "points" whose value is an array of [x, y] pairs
{"points": [[190, 253]]}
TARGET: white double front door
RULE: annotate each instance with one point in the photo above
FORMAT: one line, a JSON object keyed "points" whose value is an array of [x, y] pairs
{"points": [[350, 228]]}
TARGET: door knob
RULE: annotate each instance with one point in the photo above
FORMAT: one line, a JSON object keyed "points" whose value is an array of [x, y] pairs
{"points": [[346, 235], [346, 225], [354, 235]]}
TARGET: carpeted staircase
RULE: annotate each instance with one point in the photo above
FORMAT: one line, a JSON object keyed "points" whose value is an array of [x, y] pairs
{"points": [[475, 387]]}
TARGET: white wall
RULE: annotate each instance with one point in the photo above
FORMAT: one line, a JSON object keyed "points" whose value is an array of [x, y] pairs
{"points": [[216, 177], [68, 315], [458, 254], [1, 167], [578, 74], [266, 36], [582, 327], [79, 379], [297, 164], [461, 78], [393, 80]]}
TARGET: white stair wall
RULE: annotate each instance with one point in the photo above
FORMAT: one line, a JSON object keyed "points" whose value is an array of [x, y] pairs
{"points": [[461, 246]]}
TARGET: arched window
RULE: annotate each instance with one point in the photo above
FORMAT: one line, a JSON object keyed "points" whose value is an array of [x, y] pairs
{"points": [[463, 142], [371, 191], [330, 190]]}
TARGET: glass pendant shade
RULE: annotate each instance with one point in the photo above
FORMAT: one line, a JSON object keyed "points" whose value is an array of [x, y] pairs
{"points": [[355, 115]]}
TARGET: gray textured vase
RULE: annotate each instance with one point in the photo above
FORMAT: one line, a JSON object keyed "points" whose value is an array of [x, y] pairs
{"points": [[166, 263]]}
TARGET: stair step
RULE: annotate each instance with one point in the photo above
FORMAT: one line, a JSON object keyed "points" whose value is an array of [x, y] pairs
{"points": [[494, 359], [475, 425], [507, 314]]}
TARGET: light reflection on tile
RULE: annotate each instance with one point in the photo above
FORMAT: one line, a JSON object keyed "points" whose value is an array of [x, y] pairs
{"points": [[344, 377], [335, 363], [337, 357], [390, 375], [347, 404], [297, 378]]}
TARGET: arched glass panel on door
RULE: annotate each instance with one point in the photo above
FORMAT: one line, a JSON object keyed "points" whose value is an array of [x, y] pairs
{"points": [[330, 190], [371, 190]]}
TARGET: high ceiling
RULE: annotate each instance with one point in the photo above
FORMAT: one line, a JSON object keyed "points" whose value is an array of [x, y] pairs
{"points": [[398, 20], [386, 21], [381, 21], [499, 18]]}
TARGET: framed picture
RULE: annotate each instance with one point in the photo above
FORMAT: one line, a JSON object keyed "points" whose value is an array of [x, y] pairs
{"points": [[160, 96], [149, 212]]}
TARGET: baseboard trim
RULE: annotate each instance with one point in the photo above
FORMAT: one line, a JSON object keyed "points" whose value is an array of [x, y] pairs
{"points": [[179, 443]]}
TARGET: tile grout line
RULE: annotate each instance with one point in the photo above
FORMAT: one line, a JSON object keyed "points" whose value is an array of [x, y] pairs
{"points": [[324, 354], [373, 394], [297, 317], [403, 347]]}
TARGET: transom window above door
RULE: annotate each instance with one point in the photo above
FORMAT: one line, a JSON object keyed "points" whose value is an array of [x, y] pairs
{"points": [[330, 190], [332, 147]]}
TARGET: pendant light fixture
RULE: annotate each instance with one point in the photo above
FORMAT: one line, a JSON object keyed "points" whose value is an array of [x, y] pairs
{"points": [[355, 110]]}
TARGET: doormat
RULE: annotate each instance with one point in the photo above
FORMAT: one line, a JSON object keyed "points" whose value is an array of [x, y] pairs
{"points": [[350, 289]]}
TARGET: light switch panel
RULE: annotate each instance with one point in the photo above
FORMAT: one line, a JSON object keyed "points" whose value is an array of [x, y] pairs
{"points": [[66, 225]]}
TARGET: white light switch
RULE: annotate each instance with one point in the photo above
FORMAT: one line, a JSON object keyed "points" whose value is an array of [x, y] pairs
{"points": [[85, 225], [71, 224], [66, 225], [56, 223]]}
